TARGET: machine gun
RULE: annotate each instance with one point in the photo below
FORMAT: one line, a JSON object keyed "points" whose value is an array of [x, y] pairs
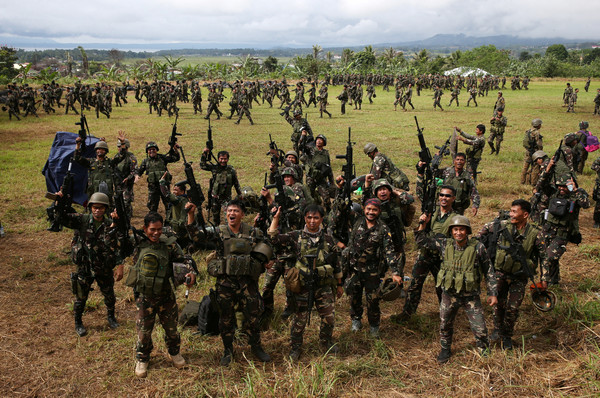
{"points": [[174, 133], [62, 203], [277, 155], [124, 226], [84, 130], [343, 230], [431, 168], [195, 192]]}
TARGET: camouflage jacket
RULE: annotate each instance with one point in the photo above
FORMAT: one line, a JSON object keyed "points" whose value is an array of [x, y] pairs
{"points": [[465, 187], [498, 124], [532, 141], [125, 164], [596, 167], [98, 171], [477, 144], [383, 167], [224, 179], [156, 167], [371, 249]]}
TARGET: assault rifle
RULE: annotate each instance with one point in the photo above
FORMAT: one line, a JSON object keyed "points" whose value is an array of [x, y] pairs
{"points": [[195, 192], [431, 168], [62, 204], [124, 226], [174, 133], [311, 281], [343, 231], [263, 216], [84, 130], [281, 199], [277, 155]]}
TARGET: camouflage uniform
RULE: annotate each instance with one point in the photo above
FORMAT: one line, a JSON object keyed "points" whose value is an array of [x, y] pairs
{"points": [[460, 280], [428, 261], [596, 192], [93, 250], [477, 143], [155, 168], [437, 98], [154, 295], [223, 180], [99, 171], [302, 243], [466, 189], [213, 104], [176, 218], [383, 167], [498, 124], [299, 125], [532, 142], [322, 98], [472, 95], [454, 96], [319, 177], [343, 97], [512, 279], [125, 166], [370, 254]]}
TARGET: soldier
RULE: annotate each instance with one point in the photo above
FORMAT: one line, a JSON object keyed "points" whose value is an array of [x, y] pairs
{"points": [[319, 177], [125, 168], [343, 97], [316, 253], [243, 105], [213, 104], [596, 193], [429, 261], [370, 92], [224, 179], [475, 150], [312, 95], [572, 101], [407, 97], [510, 275], [472, 95], [70, 98], [358, 96], [13, 105], [597, 103], [151, 277], [532, 142], [582, 136], [437, 97], [93, 250], [454, 95], [567, 95], [176, 218], [462, 181], [383, 167], [500, 103], [155, 166], [369, 255], [299, 124], [237, 268], [587, 84], [560, 224], [291, 160], [498, 125], [322, 98], [464, 263], [197, 98], [100, 169]]}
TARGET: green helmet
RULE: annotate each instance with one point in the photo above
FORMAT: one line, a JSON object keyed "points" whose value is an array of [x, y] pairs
{"points": [[382, 182], [460, 221], [151, 144], [321, 136], [262, 252], [563, 179], [389, 290], [538, 155], [297, 112], [125, 141], [583, 125], [101, 145], [536, 122], [292, 152], [570, 138], [99, 198], [370, 147], [543, 300], [289, 171]]}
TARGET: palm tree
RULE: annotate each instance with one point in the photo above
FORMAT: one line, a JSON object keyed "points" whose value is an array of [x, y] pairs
{"points": [[329, 57], [84, 62], [316, 50]]}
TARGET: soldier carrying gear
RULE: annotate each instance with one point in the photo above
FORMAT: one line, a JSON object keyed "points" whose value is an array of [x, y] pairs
{"points": [[100, 169], [155, 166], [383, 167]]}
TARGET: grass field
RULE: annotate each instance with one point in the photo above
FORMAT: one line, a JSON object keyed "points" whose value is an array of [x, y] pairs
{"points": [[40, 355]]}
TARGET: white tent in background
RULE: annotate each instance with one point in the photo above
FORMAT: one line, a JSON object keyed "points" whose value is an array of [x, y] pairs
{"points": [[466, 71]]}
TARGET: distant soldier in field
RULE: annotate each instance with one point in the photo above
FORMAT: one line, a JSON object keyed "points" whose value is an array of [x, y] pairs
{"points": [[472, 95], [500, 103], [597, 103], [596, 192], [343, 97], [13, 105], [454, 95], [532, 142], [475, 150], [567, 94], [587, 84], [70, 98], [213, 104], [572, 101], [312, 95], [437, 97], [370, 93], [498, 125], [322, 98], [407, 97]]}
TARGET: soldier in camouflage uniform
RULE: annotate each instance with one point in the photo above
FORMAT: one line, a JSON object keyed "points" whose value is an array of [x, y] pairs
{"points": [[582, 136], [475, 150], [125, 167], [224, 179], [498, 124], [511, 277], [322, 98], [312, 95], [472, 95], [370, 93], [299, 125], [596, 192], [155, 166], [560, 224], [237, 269], [197, 98], [70, 98], [429, 261], [243, 107], [94, 251], [100, 169], [464, 263], [291, 160], [532, 142], [152, 278], [500, 103], [567, 94], [213, 104], [313, 248], [369, 255], [319, 177], [383, 167], [454, 95], [597, 103], [343, 97], [176, 218]]}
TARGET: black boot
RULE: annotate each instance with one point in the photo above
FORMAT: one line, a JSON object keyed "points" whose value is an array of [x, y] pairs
{"points": [[79, 328], [444, 355], [110, 317], [507, 344], [295, 352], [257, 349], [227, 352]]}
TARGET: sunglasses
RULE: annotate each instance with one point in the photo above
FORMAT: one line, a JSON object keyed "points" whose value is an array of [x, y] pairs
{"points": [[445, 195]]}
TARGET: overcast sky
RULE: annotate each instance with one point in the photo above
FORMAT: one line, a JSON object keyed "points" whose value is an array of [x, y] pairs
{"points": [[267, 23]]}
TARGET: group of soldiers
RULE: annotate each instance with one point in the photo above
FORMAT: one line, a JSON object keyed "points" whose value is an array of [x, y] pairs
{"points": [[324, 236]]}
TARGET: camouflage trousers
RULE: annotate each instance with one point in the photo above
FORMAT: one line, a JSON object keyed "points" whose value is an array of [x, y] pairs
{"points": [[154, 197], [324, 302], [212, 107], [437, 103], [367, 283], [106, 283], [554, 247], [597, 212], [497, 137], [472, 165], [424, 265], [319, 192], [449, 306], [530, 172], [453, 98], [238, 294], [217, 207], [510, 297], [148, 308], [272, 276]]}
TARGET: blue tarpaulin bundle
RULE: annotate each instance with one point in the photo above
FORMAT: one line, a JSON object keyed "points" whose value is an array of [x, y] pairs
{"points": [[55, 169]]}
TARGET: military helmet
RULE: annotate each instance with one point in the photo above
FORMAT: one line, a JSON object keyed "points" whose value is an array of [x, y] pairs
{"points": [[297, 112], [289, 171], [101, 145], [99, 198], [538, 155], [570, 138], [583, 125], [382, 182], [151, 144], [389, 290], [460, 221], [321, 136], [180, 270], [536, 122], [262, 252], [543, 300], [370, 147], [125, 141], [292, 152], [563, 179]]}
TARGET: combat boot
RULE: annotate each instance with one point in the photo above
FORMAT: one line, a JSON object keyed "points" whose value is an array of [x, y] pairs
{"points": [[141, 369], [374, 331], [178, 361], [329, 347], [444, 355], [110, 317], [287, 312], [507, 343], [295, 352], [227, 356], [79, 328], [257, 349]]}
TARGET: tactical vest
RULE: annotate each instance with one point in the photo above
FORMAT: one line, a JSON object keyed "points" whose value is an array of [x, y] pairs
{"points": [[392, 216], [458, 270], [463, 188], [124, 165], [100, 172], [505, 262], [155, 169], [154, 269], [559, 214], [473, 153], [223, 181], [237, 260], [304, 264]]}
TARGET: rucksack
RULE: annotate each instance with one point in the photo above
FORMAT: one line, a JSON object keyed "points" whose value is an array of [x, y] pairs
{"points": [[208, 315], [592, 143]]}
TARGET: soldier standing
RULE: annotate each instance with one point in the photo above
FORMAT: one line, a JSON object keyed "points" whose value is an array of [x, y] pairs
{"points": [[500, 103], [498, 125], [125, 167], [454, 95], [532, 142], [322, 98], [243, 107], [319, 177], [370, 92], [567, 94], [383, 167], [587, 84], [213, 104], [312, 95], [224, 179], [155, 166], [70, 98], [464, 263], [472, 95], [437, 97], [462, 181], [299, 125], [597, 103], [100, 169], [475, 150], [596, 193], [316, 253], [407, 98], [343, 97]]}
